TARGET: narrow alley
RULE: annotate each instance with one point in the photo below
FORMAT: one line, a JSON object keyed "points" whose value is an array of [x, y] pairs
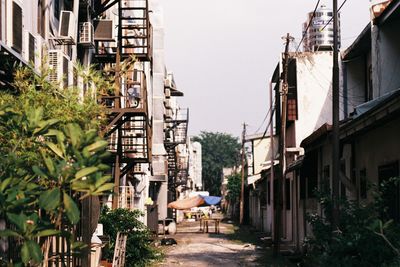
{"points": [[229, 248]]}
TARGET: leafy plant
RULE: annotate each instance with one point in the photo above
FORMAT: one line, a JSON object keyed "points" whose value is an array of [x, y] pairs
{"points": [[139, 251], [52, 158], [234, 187], [362, 238]]}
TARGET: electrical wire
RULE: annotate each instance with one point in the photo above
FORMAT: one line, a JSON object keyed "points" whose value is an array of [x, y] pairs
{"points": [[308, 26], [262, 123], [269, 123]]}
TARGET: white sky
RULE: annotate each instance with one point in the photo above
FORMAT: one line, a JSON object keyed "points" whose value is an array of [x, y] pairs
{"points": [[223, 52]]}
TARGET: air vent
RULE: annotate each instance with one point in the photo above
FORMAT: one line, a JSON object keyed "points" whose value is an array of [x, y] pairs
{"points": [[59, 65], [103, 30], [86, 33], [66, 30]]}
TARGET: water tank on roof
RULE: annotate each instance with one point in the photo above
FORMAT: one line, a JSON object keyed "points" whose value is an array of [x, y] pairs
{"points": [[319, 35]]}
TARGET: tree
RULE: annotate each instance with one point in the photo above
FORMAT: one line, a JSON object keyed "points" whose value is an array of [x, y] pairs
{"points": [[52, 158], [219, 150]]}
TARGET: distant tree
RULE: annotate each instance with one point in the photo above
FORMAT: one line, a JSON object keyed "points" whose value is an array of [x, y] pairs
{"points": [[219, 150], [234, 187]]}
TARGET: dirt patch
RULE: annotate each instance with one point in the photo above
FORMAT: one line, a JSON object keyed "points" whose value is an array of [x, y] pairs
{"points": [[195, 248]]}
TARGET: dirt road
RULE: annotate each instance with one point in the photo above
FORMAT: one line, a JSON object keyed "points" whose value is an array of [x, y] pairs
{"points": [[198, 249]]}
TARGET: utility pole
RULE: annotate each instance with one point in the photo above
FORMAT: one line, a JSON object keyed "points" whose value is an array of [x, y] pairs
{"points": [[242, 172], [282, 149], [335, 119], [117, 103], [272, 171]]}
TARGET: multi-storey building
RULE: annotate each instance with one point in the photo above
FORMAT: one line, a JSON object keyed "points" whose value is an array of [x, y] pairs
{"points": [[124, 39]]}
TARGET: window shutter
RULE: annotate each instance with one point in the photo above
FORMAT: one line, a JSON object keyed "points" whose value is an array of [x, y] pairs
{"points": [[17, 27], [31, 49]]}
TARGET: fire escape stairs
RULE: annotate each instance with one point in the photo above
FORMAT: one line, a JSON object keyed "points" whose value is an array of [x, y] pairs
{"points": [[134, 33], [177, 132]]}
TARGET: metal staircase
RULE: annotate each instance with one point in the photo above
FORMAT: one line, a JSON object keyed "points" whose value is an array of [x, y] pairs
{"points": [[134, 32], [176, 134]]}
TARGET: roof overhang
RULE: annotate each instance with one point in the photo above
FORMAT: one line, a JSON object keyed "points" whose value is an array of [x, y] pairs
{"points": [[360, 46], [386, 108], [390, 13]]}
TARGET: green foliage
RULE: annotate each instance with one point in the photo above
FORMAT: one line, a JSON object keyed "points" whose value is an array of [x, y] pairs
{"points": [[219, 150], [138, 248], [361, 238], [52, 157], [234, 187]]}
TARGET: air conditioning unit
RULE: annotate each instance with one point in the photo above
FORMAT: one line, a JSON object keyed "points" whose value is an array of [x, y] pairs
{"points": [[86, 34], [29, 47], [103, 30], [66, 30], [167, 83], [168, 113], [167, 104], [167, 93], [60, 68]]}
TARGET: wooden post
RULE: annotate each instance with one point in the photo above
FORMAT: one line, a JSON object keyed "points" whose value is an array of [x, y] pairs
{"points": [[282, 151], [242, 173]]}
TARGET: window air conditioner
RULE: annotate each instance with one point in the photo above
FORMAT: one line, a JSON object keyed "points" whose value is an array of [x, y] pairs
{"points": [[167, 104], [59, 65], [66, 28], [167, 93], [103, 30], [86, 34]]}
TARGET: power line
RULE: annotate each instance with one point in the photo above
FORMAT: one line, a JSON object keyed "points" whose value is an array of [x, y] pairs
{"points": [[308, 26], [329, 21], [262, 123]]}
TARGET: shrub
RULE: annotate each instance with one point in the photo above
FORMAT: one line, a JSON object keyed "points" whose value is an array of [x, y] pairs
{"points": [[361, 238], [139, 250]]}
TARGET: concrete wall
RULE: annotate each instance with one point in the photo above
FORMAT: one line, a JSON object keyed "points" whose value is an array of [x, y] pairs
{"points": [[372, 150], [385, 57], [262, 152], [159, 153], [314, 92], [356, 83]]}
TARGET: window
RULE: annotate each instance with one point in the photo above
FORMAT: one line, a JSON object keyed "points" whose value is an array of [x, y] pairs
{"points": [[325, 184], [363, 184], [17, 27], [287, 193], [292, 110], [302, 187], [342, 186], [391, 196], [41, 18]]}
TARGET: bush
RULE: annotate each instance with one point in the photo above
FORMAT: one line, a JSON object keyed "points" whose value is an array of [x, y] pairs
{"points": [[139, 250], [361, 239]]}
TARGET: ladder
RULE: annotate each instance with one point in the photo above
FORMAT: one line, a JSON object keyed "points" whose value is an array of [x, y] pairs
{"points": [[119, 250]]}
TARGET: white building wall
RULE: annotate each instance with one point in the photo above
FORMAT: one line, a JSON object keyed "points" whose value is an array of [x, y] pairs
{"points": [[314, 92], [159, 161]]}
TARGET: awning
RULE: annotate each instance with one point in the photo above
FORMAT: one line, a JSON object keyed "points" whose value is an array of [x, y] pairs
{"points": [[191, 202], [187, 203], [253, 178], [211, 200]]}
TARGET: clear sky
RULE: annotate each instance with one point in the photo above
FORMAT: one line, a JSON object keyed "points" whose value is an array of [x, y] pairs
{"points": [[223, 52]]}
